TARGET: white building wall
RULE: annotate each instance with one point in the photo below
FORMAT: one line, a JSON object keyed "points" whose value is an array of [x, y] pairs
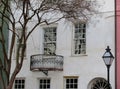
{"points": [[100, 33]]}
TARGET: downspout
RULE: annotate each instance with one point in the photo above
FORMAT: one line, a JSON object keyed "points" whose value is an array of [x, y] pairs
{"points": [[115, 24]]}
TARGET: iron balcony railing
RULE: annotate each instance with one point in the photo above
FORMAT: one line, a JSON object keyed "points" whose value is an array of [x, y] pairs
{"points": [[46, 62]]}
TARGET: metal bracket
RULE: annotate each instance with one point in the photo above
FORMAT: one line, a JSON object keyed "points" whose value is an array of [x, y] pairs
{"points": [[45, 72]]}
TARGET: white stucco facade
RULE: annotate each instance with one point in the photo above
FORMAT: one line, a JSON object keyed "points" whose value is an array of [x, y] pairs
{"points": [[100, 33]]}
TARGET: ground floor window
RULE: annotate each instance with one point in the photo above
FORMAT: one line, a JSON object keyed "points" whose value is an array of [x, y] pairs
{"points": [[99, 83], [19, 83], [44, 84], [71, 83]]}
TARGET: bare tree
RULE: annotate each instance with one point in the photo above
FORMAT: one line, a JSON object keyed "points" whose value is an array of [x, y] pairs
{"points": [[14, 12]]}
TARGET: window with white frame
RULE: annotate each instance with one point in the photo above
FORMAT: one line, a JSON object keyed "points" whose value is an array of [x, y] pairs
{"points": [[71, 83], [50, 40], [79, 39], [44, 83], [19, 83], [19, 34]]}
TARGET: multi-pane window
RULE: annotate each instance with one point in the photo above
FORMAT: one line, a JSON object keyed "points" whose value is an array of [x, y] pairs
{"points": [[99, 83], [19, 83], [71, 83], [50, 40], [44, 84], [19, 33], [80, 39]]}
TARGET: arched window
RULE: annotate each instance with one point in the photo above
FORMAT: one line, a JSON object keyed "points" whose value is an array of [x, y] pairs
{"points": [[98, 83]]}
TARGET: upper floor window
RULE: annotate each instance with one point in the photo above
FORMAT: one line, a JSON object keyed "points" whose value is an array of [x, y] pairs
{"points": [[18, 43], [44, 84], [79, 39], [19, 83], [50, 40], [71, 83]]}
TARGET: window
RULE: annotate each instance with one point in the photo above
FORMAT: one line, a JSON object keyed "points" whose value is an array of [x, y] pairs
{"points": [[19, 33], [79, 39], [99, 83], [44, 84], [71, 83], [19, 83], [51, 1], [50, 40]]}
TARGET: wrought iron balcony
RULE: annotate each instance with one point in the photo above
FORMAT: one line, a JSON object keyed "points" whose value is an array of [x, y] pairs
{"points": [[43, 62]]}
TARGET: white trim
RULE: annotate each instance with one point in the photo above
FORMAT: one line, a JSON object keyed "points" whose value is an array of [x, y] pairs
{"points": [[51, 25]]}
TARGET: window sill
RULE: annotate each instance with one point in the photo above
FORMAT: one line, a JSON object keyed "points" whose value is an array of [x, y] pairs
{"points": [[81, 55]]}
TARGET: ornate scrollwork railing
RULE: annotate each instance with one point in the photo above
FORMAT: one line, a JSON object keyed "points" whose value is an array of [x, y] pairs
{"points": [[46, 62]]}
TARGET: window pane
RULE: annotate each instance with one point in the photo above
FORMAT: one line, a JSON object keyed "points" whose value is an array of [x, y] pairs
{"points": [[48, 81], [71, 81], [67, 86], [75, 81], [48, 86], [67, 80], [44, 86]]}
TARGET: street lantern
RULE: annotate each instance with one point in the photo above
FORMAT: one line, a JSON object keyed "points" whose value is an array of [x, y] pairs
{"points": [[108, 59]]}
